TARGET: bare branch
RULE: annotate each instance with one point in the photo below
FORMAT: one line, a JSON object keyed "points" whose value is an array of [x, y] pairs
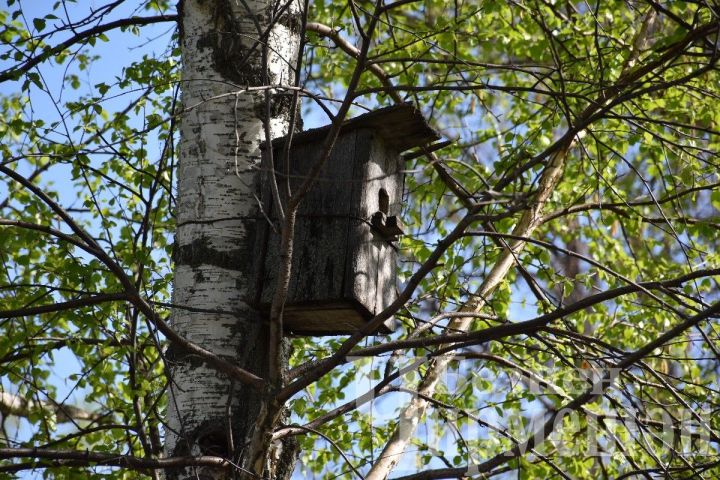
{"points": [[59, 458], [21, 407]]}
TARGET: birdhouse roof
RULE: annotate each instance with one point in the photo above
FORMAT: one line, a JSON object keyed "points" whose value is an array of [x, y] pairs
{"points": [[401, 127]]}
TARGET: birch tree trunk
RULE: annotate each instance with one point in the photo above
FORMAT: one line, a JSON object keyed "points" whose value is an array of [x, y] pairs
{"points": [[223, 125]]}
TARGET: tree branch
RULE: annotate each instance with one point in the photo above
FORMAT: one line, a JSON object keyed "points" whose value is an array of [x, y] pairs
{"points": [[59, 458], [21, 407], [60, 306], [16, 72]]}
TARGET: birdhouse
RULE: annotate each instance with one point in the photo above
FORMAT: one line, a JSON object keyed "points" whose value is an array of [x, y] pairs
{"points": [[344, 268]]}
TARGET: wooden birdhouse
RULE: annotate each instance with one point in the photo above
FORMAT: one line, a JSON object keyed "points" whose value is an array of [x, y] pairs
{"points": [[344, 261]]}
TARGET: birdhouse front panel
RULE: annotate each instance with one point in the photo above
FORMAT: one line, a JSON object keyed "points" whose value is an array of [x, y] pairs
{"points": [[373, 262]]}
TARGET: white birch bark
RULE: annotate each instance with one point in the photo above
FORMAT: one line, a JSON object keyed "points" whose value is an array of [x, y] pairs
{"points": [[216, 212]]}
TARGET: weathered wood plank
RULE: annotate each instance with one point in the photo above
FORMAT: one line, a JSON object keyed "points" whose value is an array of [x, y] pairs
{"points": [[373, 259], [322, 224]]}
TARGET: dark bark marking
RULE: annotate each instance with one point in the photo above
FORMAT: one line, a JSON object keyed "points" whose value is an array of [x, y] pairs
{"points": [[211, 438], [292, 22], [285, 465], [200, 252], [280, 105], [231, 58]]}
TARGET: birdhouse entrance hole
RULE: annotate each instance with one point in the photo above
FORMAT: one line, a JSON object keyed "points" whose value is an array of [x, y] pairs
{"points": [[383, 201]]}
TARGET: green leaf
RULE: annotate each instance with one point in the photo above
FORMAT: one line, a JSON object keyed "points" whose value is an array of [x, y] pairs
{"points": [[39, 24]]}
